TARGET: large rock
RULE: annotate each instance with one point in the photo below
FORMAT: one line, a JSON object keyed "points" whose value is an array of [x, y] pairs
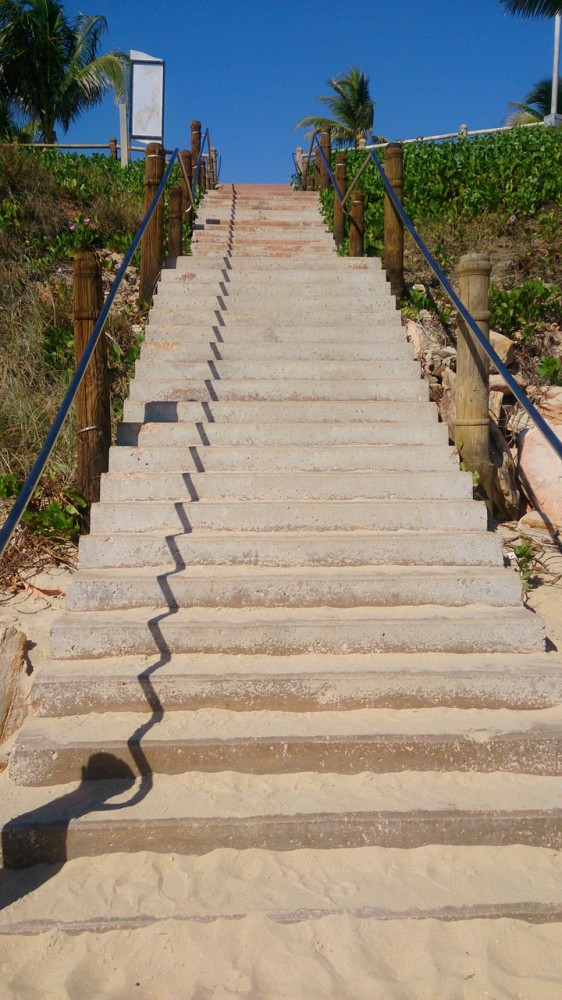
{"points": [[12, 666], [541, 472], [503, 346]]}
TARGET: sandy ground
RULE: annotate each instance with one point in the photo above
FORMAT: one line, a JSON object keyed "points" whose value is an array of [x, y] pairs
{"points": [[336, 957]]}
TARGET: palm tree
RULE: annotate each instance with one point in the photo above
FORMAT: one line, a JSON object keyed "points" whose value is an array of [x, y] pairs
{"points": [[50, 71], [536, 105], [351, 107], [533, 8]]}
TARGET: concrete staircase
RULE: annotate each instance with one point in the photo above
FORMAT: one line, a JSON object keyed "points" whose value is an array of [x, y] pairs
{"points": [[290, 628]]}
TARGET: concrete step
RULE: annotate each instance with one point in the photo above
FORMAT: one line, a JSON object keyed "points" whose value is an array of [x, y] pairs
{"points": [[276, 631], [283, 515], [243, 295], [211, 388], [184, 435], [192, 310], [336, 548], [268, 331], [278, 411], [177, 586], [296, 280], [332, 264], [305, 683], [393, 353], [371, 740], [186, 487], [164, 368], [337, 827], [291, 458]]}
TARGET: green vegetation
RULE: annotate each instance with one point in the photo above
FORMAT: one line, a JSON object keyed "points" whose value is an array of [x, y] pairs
{"points": [[533, 8], [514, 175], [536, 105], [50, 204]]}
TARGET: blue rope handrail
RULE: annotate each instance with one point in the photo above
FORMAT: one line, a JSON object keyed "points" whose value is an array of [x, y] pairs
{"points": [[32, 480], [521, 397]]}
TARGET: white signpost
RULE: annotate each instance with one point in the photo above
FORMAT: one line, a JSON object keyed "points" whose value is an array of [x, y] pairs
{"points": [[147, 97]]}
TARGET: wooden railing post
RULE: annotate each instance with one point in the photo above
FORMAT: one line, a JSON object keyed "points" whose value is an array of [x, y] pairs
{"points": [[356, 228], [195, 141], [113, 147], [175, 199], [203, 174], [472, 428], [326, 145], [187, 161], [152, 245], [213, 168], [93, 417], [339, 214], [393, 226]]}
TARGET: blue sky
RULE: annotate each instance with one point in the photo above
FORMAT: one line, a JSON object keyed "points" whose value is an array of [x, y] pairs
{"points": [[249, 70]]}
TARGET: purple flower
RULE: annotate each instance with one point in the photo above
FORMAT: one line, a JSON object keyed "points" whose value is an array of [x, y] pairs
{"points": [[512, 218], [117, 267], [72, 227], [535, 180], [87, 222]]}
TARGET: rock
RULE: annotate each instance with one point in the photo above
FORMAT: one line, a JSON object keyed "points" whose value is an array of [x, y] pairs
{"points": [[533, 524], [447, 404], [507, 495], [498, 384], [503, 346], [551, 405], [541, 473], [495, 405], [419, 338], [12, 666]]}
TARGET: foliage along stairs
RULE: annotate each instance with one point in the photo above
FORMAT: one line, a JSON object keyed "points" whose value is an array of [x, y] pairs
{"points": [[290, 618]]}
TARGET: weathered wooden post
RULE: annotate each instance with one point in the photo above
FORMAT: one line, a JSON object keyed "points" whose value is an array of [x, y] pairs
{"points": [[393, 227], [203, 174], [326, 146], [93, 417], [356, 227], [175, 198], [195, 141], [213, 168], [339, 214], [472, 428], [187, 163], [113, 148], [152, 244]]}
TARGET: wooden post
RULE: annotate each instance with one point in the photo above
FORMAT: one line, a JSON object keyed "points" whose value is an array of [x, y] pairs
{"points": [[305, 183], [175, 198], [203, 174], [195, 141], [326, 144], [356, 228], [472, 428], [152, 245], [393, 227], [339, 214], [93, 417], [317, 164], [113, 147], [187, 160], [213, 168]]}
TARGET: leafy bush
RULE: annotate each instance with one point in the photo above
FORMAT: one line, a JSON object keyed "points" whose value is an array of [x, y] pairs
{"points": [[516, 174], [520, 308]]}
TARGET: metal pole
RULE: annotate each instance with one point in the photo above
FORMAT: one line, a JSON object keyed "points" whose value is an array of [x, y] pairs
{"points": [[555, 65]]}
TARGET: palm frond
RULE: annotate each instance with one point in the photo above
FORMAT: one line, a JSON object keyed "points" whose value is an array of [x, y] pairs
{"points": [[533, 8]]}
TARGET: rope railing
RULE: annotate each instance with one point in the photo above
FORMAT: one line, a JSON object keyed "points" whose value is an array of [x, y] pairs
{"points": [[32, 480], [521, 397]]}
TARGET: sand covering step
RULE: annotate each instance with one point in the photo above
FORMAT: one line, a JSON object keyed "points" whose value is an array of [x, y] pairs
{"points": [[309, 682]]}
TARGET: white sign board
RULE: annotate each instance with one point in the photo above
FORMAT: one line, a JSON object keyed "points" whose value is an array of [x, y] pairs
{"points": [[147, 97]]}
